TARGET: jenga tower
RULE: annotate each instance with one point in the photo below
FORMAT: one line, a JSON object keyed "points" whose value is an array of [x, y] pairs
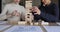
{"points": [[29, 16]]}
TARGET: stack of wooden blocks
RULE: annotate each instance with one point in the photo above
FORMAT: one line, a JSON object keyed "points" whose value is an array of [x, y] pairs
{"points": [[29, 16]]}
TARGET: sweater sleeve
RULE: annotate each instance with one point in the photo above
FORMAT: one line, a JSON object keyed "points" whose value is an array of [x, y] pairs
{"points": [[47, 16], [3, 14]]}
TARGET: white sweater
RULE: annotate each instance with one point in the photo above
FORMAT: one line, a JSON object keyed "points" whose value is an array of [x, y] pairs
{"points": [[12, 7]]}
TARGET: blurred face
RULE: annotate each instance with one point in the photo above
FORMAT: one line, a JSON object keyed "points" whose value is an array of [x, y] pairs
{"points": [[45, 1], [16, 1]]}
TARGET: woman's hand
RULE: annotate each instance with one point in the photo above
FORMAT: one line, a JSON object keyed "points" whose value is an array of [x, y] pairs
{"points": [[36, 10], [15, 13]]}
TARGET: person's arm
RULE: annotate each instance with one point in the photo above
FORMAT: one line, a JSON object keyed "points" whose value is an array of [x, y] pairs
{"points": [[3, 14], [4, 11], [36, 12], [47, 16]]}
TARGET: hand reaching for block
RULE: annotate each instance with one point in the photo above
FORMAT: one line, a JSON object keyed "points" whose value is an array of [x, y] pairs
{"points": [[36, 10]]}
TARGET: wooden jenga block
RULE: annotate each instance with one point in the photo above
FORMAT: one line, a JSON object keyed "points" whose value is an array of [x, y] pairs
{"points": [[22, 23], [44, 23], [28, 4], [29, 17]]}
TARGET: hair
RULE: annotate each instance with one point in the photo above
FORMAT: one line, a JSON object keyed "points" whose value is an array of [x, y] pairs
{"points": [[42, 2]]}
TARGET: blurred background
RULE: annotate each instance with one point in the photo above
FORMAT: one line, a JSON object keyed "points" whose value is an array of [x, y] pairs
{"points": [[12, 26]]}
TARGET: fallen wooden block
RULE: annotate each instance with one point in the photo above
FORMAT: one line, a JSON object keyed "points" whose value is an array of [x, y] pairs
{"points": [[44, 23], [22, 23]]}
